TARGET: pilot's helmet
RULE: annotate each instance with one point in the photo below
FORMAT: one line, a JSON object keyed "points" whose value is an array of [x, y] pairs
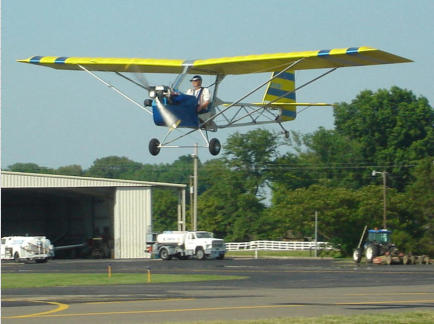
{"points": [[196, 78]]}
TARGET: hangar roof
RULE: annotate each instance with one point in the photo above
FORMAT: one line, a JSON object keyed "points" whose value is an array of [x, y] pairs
{"points": [[11, 179]]}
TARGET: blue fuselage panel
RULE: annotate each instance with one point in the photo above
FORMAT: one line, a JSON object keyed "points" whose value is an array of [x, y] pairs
{"points": [[183, 107]]}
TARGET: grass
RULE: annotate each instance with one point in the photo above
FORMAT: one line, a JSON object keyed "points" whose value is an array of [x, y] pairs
{"points": [[424, 317], [33, 280]]}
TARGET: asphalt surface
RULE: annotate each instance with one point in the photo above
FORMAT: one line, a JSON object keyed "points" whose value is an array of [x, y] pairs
{"points": [[274, 288]]}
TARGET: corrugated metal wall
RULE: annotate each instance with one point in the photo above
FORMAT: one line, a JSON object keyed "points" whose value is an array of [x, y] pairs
{"points": [[38, 180], [132, 219]]}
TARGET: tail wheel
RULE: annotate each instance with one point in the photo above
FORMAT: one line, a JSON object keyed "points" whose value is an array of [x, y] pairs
{"points": [[214, 146], [154, 146]]}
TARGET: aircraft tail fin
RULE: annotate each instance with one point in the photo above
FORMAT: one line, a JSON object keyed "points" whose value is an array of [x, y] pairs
{"points": [[283, 86]]}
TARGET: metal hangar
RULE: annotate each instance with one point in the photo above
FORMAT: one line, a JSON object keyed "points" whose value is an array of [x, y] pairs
{"points": [[113, 214]]}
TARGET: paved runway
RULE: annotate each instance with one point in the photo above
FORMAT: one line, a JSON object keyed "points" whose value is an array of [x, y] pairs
{"points": [[274, 288]]}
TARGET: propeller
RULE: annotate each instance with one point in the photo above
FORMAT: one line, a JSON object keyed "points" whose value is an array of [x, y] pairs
{"points": [[156, 93], [168, 117]]}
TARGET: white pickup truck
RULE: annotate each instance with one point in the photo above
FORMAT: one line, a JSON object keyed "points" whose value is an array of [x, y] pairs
{"points": [[184, 245], [27, 248]]}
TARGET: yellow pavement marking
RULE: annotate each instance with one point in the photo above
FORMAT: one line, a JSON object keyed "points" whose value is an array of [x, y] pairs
{"points": [[138, 300], [166, 310], [60, 307], [388, 302], [391, 294]]}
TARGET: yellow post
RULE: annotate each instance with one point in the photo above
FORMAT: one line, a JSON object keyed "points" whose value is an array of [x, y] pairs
{"points": [[149, 275], [109, 271]]}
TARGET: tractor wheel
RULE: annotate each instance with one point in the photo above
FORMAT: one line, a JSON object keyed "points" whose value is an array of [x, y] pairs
{"points": [[371, 252], [214, 146], [164, 254], [154, 148], [357, 255]]}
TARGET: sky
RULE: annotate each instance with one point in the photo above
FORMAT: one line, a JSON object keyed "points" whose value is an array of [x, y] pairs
{"points": [[57, 118]]}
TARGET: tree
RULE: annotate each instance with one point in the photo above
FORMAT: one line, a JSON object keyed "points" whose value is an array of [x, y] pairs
{"points": [[421, 196], [394, 129], [227, 207], [113, 167], [342, 214], [164, 210], [71, 170], [250, 154], [29, 168]]}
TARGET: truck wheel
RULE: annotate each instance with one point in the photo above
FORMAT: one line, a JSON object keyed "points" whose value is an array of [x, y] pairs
{"points": [[200, 254], [357, 255], [370, 253], [164, 254], [17, 257]]}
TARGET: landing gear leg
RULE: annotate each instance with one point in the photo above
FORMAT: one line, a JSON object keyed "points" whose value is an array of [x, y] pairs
{"points": [[284, 131]]}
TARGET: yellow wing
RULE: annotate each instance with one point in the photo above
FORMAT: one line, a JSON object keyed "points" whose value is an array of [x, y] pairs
{"points": [[340, 57]]}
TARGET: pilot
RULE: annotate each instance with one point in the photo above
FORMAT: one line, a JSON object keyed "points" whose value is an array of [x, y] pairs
{"points": [[202, 94]]}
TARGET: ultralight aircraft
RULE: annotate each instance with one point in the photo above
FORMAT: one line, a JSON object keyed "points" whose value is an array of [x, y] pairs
{"points": [[176, 110]]}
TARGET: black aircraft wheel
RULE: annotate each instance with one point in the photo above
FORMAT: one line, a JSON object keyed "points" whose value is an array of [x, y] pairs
{"points": [[214, 146], [154, 148]]}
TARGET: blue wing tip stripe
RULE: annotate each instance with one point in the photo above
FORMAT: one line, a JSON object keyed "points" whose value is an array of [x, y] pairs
{"points": [[350, 51], [324, 52], [58, 60], [36, 59], [61, 60]]}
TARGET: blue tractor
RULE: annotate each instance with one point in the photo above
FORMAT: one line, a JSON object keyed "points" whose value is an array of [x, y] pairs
{"points": [[378, 243]]}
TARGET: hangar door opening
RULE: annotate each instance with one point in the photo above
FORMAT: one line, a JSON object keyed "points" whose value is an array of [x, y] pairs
{"points": [[67, 216]]}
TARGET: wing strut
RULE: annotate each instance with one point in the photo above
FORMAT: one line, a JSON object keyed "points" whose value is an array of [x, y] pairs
{"points": [[115, 89], [268, 104]]}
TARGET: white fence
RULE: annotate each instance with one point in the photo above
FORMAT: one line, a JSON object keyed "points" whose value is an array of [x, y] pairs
{"points": [[278, 246]]}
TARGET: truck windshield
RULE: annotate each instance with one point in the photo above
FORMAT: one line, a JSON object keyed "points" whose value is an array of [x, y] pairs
{"points": [[204, 235]]}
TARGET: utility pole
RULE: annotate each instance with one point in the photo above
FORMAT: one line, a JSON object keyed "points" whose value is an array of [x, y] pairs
{"points": [[191, 203], [316, 233], [195, 157], [384, 174]]}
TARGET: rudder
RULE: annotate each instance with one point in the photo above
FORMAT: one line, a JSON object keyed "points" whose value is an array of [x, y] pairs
{"points": [[282, 90]]}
